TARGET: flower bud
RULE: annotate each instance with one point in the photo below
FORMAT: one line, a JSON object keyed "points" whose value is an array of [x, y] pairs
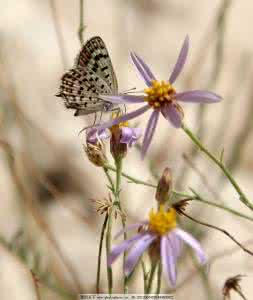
{"points": [[96, 154], [164, 186], [118, 149]]}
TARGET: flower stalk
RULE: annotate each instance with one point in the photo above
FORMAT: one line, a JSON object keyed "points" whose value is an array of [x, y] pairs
{"points": [[100, 254], [108, 250], [243, 198]]}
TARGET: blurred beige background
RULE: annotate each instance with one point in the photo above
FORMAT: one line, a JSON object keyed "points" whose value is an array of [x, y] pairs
{"points": [[44, 135]]}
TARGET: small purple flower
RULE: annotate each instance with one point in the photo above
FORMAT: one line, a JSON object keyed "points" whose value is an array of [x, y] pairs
{"points": [[95, 135], [162, 231], [129, 135], [161, 96]]}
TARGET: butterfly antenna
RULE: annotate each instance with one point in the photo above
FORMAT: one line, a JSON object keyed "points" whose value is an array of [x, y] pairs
{"points": [[130, 90], [95, 119], [100, 118], [85, 128]]}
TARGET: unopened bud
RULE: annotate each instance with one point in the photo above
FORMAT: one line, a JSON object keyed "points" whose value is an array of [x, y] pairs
{"points": [[96, 154], [164, 186], [118, 149]]}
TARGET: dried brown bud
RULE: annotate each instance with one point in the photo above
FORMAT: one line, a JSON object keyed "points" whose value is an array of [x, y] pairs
{"points": [[106, 206], [232, 283], [118, 149], [180, 206], [164, 186], [96, 154]]}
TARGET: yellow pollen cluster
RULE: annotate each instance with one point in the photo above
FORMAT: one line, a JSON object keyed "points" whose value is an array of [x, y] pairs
{"points": [[159, 93], [162, 221], [120, 125]]}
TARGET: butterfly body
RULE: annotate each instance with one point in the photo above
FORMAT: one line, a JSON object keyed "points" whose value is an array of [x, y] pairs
{"points": [[91, 76]]}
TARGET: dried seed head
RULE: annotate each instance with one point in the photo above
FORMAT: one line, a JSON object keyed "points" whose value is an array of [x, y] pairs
{"points": [[180, 206], [106, 206], [232, 283], [164, 186], [96, 154]]}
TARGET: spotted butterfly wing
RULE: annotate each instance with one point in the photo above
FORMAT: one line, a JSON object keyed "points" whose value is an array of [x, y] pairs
{"points": [[92, 75]]}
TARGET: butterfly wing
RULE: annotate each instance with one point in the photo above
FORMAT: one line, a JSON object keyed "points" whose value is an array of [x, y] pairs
{"points": [[94, 56], [80, 88], [92, 75]]}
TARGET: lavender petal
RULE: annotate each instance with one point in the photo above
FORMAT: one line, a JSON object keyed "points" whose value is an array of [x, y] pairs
{"points": [[143, 69], [191, 241], [121, 99], [130, 227], [173, 113], [130, 135], [198, 96], [136, 251], [125, 117], [122, 247], [93, 135], [176, 244], [149, 132], [180, 61], [137, 132], [168, 260]]}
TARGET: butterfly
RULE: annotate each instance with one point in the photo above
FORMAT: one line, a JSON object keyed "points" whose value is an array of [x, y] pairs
{"points": [[92, 74]]}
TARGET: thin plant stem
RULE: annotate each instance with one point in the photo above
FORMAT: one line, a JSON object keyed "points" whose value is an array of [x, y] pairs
{"points": [[243, 198], [36, 286], [228, 209], [145, 276], [159, 277], [132, 179], [204, 277], [241, 294], [110, 180], [100, 254], [59, 34], [81, 23], [118, 164], [151, 278], [108, 233], [108, 251], [219, 229], [195, 195]]}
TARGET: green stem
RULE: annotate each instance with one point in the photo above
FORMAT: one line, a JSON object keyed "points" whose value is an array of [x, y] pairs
{"points": [[81, 23], [139, 181], [151, 278], [118, 164], [243, 198], [132, 179], [145, 276], [228, 209], [108, 176], [159, 276], [204, 277], [100, 253], [108, 251]]}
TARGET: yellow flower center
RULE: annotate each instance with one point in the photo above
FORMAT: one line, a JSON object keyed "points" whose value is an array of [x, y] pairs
{"points": [[159, 93], [115, 128], [162, 221]]}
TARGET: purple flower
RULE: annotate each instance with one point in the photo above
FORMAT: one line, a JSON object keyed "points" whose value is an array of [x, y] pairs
{"points": [[129, 135], [95, 135], [161, 96], [161, 231]]}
